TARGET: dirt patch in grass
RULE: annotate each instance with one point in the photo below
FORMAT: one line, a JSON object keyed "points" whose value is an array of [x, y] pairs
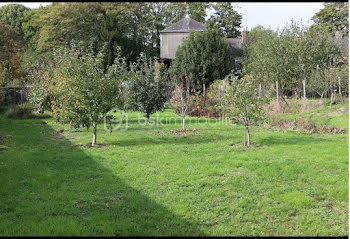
{"points": [[252, 145], [57, 134], [59, 131], [96, 145], [181, 131], [239, 172], [339, 112]]}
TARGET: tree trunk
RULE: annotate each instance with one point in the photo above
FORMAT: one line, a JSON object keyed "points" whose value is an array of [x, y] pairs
{"points": [[183, 123], [21, 94], [304, 89], [248, 135], [94, 137], [260, 93], [70, 125], [204, 90], [330, 105], [278, 96], [147, 117], [339, 86]]}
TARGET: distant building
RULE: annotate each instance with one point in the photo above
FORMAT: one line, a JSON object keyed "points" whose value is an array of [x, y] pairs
{"points": [[172, 37]]}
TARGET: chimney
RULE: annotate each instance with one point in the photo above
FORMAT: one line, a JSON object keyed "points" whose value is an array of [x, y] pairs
{"points": [[245, 33], [338, 33]]}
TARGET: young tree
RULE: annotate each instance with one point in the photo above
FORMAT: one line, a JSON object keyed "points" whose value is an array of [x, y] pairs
{"points": [[181, 95], [149, 85], [242, 104], [88, 89]]}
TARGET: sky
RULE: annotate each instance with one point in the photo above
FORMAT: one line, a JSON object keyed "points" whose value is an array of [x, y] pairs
{"points": [[270, 15]]}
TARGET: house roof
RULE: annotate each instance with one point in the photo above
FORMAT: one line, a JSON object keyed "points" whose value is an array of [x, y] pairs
{"points": [[185, 25]]}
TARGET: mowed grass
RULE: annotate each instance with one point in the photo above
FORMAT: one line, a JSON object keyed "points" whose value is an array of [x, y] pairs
{"points": [[147, 181]]}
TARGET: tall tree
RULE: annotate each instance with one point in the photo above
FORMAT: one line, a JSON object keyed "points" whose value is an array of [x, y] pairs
{"points": [[13, 15], [227, 18], [123, 24], [203, 57], [11, 42], [195, 10], [333, 16]]}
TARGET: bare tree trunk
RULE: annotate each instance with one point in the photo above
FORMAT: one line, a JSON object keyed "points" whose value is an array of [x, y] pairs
{"points": [[70, 125], [248, 135], [339, 86], [278, 96], [330, 105], [94, 137], [183, 122], [204, 90], [304, 89], [21, 94], [260, 93]]}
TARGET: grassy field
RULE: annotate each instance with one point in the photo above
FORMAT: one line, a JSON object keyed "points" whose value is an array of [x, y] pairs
{"points": [[147, 181]]}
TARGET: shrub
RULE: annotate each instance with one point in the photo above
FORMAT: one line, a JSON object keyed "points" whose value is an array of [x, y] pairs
{"points": [[306, 125], [209, 106], [21, 111]]}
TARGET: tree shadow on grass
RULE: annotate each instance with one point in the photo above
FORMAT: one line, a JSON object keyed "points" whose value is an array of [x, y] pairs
{"points": [[58, 189]]}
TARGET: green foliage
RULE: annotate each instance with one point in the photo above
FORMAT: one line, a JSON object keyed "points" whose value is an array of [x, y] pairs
{"points": [[22, 111], [334, 15], [149, 85], [241, 103], [11, 44], [81, 89], [87, 89], [258, 58], [227, 18], [203, 57], [38, 97], [134, 26], [177, 10], [13, 15], [324, 80], [288, 56]]}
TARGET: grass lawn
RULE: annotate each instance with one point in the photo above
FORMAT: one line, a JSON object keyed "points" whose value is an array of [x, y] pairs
{"points": [[147, 181]]}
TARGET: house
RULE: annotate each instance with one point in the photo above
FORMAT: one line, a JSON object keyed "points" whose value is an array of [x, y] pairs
{"points": [[173, 36]]}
